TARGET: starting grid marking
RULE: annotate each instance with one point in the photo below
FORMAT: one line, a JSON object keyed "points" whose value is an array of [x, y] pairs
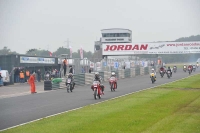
{"points": [[96, 103]]}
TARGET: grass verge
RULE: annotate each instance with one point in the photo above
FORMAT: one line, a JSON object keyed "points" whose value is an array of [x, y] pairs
{"points": [[174, 108]]}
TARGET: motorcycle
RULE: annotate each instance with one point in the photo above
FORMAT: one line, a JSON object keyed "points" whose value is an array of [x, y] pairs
{"points": [[194, 69], [184, 69], [153, 79], [161, 73], [189, 71], [113, 83], [168, 74], [97, 89], [69, 85], [47, 76], [174, 68]]}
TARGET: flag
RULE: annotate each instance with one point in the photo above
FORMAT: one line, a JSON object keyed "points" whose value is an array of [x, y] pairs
{"points": [[70, 51], [81, 53], [50, 54]]}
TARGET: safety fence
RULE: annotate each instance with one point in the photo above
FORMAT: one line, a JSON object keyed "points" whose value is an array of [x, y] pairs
{"points": [[87, 78]]}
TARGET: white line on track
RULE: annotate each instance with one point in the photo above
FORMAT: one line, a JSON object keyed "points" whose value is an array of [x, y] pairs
{"points": [[94, 103]]}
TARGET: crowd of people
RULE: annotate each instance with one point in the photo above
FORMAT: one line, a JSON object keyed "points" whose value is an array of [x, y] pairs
{"points": [[22, 75]]}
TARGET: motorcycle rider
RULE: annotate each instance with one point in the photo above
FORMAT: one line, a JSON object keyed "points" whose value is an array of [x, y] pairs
{"points": [[174, 68], [47, 75], [70, 75], [153, 71], [70, 69], [194, 67], [97, 77], [197, 64], [169, 69], [114, 75], [162, 69], [184, 67], [190, 67]]}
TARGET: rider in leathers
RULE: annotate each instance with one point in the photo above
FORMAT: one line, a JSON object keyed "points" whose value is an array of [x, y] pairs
{"points": [[113, 75], [153, 71], [97, 77], [169, 69], [71, 76]]}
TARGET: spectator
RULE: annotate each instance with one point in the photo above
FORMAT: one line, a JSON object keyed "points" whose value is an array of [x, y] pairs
{"points": [[39, 75], [17, 75], [82, 70], [21, 76], [27, 75], [1, 80], [65, 66], [90, 70], [71, 69]]}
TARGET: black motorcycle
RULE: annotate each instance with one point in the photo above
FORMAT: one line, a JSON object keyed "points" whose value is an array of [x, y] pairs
{"points": [[175, 69], [189, 71], [69, 85], [168, 74], [162, 73]]}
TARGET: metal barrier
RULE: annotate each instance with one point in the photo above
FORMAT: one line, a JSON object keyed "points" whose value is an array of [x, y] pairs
{"points": [[146, 70], [141, 70], [107, 75], [127, 73], [137, 71], [132, 72], [79, 79], [89, 78]]}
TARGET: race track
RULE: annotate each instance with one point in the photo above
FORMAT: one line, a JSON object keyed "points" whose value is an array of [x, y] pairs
{"points": [[25, 108]]}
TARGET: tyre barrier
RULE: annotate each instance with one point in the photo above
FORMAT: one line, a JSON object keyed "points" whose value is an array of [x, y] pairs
{"points": [[47, 85]]}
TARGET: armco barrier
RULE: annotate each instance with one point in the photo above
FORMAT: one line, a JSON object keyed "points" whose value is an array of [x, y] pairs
{"points": [[141, 70], [102, 75], [127, 73], [121, 73], [89, 78], [107, 75], [137, 71], [146, 70], [62, 84], [79, 79], [132, 72]]}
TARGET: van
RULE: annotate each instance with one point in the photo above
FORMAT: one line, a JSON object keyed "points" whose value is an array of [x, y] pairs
{"points": [[6, 76]]}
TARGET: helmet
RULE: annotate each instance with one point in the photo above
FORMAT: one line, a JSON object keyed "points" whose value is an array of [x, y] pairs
{"points": [[168, 67], [113, 73], [96, 73], [152, 69], [70, 75]]}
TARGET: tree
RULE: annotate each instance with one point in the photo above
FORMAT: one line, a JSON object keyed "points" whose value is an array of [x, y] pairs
{"points": [[6, 51]]}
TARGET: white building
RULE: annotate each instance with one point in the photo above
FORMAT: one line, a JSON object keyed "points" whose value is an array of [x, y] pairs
{"points": [[114, 35]]}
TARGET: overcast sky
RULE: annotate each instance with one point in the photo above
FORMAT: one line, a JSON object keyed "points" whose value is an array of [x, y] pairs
{"points": [[47, 24]]}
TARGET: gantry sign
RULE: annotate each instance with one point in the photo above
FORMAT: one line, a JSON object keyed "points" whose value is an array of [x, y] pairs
{"points": [[150, 48]]}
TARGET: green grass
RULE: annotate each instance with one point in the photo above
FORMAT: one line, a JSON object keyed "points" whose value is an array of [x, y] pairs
{"points": [[173, 108]]}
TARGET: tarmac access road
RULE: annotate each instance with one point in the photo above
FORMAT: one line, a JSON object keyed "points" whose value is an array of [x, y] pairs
{"points": [[18, 106]]}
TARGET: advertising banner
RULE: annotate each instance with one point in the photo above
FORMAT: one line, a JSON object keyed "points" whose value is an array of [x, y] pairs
{"points": [[151, 48], [40, 60]]}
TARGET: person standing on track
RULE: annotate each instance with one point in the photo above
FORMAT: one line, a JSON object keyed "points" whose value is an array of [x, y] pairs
{"points": [[32, 83]]}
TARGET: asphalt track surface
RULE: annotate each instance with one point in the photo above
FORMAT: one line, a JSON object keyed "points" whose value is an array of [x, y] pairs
{"points": [[21, 109]]}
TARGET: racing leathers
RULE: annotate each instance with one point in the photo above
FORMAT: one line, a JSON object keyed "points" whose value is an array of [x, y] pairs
{"points": [[72, 80], [115, 78], [169, 69], [98, 78]]}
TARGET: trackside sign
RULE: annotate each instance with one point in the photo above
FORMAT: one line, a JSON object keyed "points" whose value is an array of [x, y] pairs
{"points": [[151, 48]]}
